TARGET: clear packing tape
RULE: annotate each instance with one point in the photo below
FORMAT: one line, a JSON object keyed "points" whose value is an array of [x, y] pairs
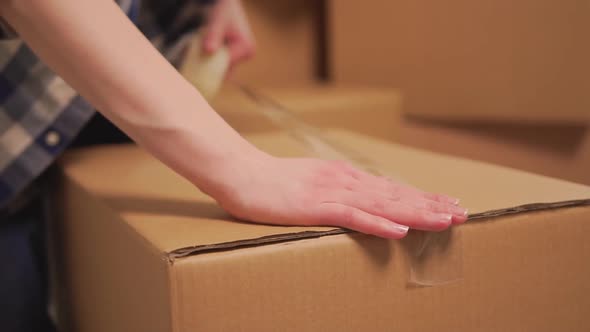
{"points": [[434, 258], [206, 72], [317, 144]]}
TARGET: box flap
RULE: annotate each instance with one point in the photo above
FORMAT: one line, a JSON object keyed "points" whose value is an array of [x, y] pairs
{"points": [[467, 61], [178, 219], [311, 98]]}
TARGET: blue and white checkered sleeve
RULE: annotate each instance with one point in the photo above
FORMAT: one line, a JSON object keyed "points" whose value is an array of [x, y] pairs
{"points": [[39, 115], [6, 31]]}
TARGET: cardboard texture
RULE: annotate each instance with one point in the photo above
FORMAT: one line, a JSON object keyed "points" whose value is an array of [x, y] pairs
{"points": [[320, 105], [465, 60], [283, 30], [558, 150], [143, 250]]}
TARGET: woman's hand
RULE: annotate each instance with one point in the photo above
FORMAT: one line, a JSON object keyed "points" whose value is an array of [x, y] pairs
{"points": [[165, 114], [227, 24], [318, 192]]}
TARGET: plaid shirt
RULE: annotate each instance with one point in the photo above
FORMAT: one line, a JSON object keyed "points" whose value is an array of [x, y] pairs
{"points": [[40, 114]]}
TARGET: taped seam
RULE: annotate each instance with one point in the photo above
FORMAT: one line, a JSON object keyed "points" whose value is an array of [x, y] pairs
{"points": [[278, 238], [264, 240]]}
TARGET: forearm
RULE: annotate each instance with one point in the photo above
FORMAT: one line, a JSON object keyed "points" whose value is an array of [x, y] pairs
{"points": [[99, 52]]}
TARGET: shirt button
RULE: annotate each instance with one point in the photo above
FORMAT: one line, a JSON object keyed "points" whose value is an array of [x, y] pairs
{"points": [[52, 138]]}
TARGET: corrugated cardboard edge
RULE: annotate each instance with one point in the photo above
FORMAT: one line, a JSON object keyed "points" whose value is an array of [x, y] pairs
{"points": [[312, 138], [529, 208], [288, 237], [264, 240]]}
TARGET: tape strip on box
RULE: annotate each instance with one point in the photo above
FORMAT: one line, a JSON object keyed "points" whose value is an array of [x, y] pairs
{"points": [[435, 258]]}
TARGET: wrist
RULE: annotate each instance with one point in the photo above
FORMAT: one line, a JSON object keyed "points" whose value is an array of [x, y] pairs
{"points": [[221, 176]]}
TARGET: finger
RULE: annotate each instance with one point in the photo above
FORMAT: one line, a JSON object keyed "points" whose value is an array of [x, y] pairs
{"points": [[235, 57], [240, 49], [355, 219], [424, 194], [384, 184], [439, 198], [418, 199], [390, 185], [214, 36], [396, 211], [459, 213]]}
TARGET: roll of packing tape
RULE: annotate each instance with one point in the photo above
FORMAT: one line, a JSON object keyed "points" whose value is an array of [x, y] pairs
{"points": [[205, 72]]}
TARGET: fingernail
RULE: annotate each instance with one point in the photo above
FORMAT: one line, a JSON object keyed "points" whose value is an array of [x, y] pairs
{"points": [[400, 228], [446, 218], [459, 211], [456, 201], [461, 218]]}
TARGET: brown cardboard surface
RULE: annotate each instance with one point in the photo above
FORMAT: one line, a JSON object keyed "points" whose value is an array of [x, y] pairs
{"points": [[465, 60], [312, 98], [125, 216], [321, 105], [153, 198], [558, 151], [109, 278], [283, 30], [153, 206], [517, 276], [561, 151]]}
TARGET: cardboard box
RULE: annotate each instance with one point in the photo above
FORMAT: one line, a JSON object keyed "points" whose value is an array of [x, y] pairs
{"points": [[561, 151], [466, 60], [557, 151], [142, 250], [283, 30], [320, 105]]}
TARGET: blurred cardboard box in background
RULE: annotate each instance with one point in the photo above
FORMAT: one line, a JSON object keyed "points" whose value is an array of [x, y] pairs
{"points": [[501, 82], [436, 52], [461, 60], [288, 42], [557, 151]]}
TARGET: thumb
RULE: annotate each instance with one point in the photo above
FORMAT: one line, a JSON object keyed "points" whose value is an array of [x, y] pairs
{"points": [[241, 47], [214, 36]]}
